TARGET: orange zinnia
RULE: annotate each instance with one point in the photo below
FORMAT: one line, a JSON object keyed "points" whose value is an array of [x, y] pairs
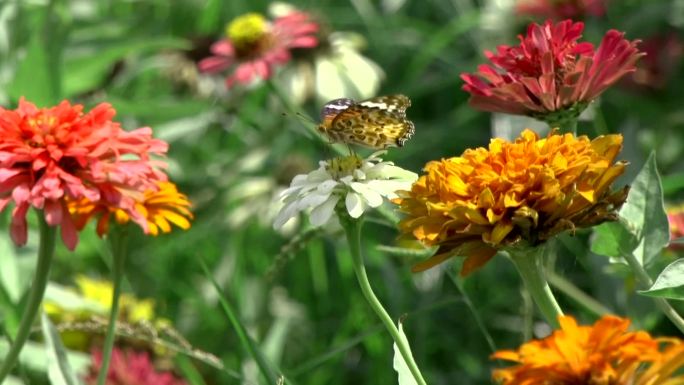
{"points": [[512, 194], [605, 353], [159, 208]]}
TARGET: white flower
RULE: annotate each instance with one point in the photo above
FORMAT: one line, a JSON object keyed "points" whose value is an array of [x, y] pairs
{"points": [[362, 183]]}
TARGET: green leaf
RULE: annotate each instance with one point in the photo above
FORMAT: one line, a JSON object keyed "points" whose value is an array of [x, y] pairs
{"points": [[59, 369], [95, 61], [34, 78], [670, 282], [644, 213], [400, 365], [612, 239]]}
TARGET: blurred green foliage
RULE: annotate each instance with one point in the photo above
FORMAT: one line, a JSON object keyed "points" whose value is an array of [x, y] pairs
{"points": [[295, 292]]}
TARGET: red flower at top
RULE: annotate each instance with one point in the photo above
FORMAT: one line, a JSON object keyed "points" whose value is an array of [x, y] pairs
{"points": [[254, 46], [561, 9], [50, 154], [550, 71], [130, 368]]}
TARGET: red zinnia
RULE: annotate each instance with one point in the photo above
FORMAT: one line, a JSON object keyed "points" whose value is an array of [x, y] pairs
{"points": [[49, 155], [550, 75], [131, 368], [254, 46]]}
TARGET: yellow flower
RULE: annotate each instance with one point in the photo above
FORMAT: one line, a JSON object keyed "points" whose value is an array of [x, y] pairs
{"points": [[512, 194], [605, 353], [158, 208]]}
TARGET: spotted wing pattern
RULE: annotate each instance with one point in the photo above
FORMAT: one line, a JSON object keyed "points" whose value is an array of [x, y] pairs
{"points": [[377, 123]]}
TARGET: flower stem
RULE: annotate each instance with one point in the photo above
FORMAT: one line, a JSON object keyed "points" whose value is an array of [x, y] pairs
{"points": [[568, 126], [353, 230], [46, 251], [645, 280], [528, 261], [117, 243]]}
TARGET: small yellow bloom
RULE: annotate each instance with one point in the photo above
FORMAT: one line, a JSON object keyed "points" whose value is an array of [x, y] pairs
{"points": [[161, 208], [247, 30], [512, 194], [605, 353]]}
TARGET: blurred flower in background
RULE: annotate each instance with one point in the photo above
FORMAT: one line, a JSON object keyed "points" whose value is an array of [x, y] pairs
{"points": [[511, 194], [161, 207], [362, 183], [604, 353], [550, 76], [49, 155], [561, 9], [254, 46], [129, 367], [675, 217], [663, 58]]}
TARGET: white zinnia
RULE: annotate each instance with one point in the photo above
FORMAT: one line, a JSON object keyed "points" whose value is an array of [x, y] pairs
{"points": [[362, 183]]}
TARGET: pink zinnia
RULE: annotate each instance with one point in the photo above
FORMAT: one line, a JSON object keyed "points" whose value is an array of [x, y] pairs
{"points": [[675, 217], [254, 46], [550, 72], [128, 367], [49, 155], [561, 9]]}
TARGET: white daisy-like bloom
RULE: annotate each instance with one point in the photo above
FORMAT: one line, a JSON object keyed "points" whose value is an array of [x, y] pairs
{"points": [[359, 183]]}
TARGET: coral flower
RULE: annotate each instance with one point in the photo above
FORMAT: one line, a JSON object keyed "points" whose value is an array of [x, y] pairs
{"points": [[550, 76], [675, 217], [561, 9], [49, 155], [605, 353], [130, 368], [512, 194], [160, 207], [254, 46]]}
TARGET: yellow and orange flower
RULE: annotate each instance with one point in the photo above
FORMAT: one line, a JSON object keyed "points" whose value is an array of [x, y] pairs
{"points": [[160, 209], [512, 194], [605, 353]]}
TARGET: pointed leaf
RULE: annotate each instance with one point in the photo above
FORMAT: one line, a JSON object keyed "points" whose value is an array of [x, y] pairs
{"points": [[644, 213], [59, 369], [400, 365], [670, 282]]}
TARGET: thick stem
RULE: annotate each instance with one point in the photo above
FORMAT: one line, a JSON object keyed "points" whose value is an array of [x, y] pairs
{"points": [[353, 230], [568, 126], [46, 251], [645, 281], [528, 261], [117, 243]]}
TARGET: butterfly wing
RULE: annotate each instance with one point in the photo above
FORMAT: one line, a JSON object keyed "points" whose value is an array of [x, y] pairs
{"points": [[377, 123]]}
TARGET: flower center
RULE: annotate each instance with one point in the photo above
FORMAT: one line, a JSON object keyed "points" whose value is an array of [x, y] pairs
{"points": [[247, 31], [343, 166]]}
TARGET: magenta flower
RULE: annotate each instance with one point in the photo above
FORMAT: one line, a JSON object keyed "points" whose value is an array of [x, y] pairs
{"points": [[130, 368], [550, 75], [254, 46], [51, 155]]}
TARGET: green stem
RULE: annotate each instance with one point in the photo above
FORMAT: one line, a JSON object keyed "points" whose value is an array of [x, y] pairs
{"points": [[528, 261], [645, 281], [575, 293], [353, 230], [117, 242], [568, 126], [473, 310], [46, 251]]}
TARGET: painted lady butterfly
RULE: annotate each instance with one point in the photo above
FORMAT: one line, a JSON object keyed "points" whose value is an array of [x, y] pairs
{"points": [[378, 122]]}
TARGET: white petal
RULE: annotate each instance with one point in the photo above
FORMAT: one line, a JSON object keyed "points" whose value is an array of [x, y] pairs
{"points": [[326, 186], [372, 197], [313, 199], [354, 204], [285, 214], [321, 214]]}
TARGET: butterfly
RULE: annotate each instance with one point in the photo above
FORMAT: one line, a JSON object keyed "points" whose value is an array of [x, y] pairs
{"points": [[378, 122]]}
